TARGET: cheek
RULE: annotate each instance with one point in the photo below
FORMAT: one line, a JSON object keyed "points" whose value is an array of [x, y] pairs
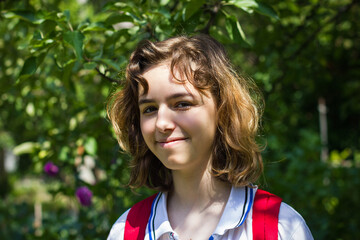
{"points": [[146, 128], [207, 124], [203, 125]]}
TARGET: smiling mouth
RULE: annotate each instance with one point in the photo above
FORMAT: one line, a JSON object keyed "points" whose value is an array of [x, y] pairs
{"points": [[170, 142]]}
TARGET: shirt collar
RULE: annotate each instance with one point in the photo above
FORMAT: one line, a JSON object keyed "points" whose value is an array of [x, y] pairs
{"points": [[159, 222], [236, 210]]}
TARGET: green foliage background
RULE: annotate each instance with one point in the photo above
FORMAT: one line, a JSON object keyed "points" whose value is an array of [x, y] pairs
{"points": [[60, 60]]}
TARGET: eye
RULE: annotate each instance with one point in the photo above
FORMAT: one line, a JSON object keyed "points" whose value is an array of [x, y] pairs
{"points": [[183, 105], [149, 109]]}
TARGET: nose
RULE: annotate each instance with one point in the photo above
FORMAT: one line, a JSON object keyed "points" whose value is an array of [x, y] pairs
{"points": [[164, 120]]}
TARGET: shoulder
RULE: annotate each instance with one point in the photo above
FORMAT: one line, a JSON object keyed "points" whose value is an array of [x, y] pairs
{"points": [[291, 224], [117, 230], [131, 216]]}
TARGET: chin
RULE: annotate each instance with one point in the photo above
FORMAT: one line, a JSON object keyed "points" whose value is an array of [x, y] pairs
{"points": [[174, 164]]}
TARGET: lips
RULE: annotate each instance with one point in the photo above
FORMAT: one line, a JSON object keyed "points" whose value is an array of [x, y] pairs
{"points": [[170, 141]]}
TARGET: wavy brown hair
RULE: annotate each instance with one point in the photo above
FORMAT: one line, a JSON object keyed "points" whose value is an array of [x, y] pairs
{"points": [[236, 157]]}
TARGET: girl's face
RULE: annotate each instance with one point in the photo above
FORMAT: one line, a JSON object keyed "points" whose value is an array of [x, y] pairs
{"points": [[177, 122]]}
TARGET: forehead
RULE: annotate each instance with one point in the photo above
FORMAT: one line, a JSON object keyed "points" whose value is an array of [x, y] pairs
{"points": [[161, 81]]}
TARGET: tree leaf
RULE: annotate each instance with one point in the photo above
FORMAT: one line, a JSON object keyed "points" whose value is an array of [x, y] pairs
{"points": [[90, 65], [91, 146], [64, 153], [234, 28], [47, 27], [192, 7], [164, 2], [67, 15], [241, 32], [219, 35], [116, 18], [112, 64], [40, 58], [29, 67], [22, 14], [93, 27], [262, 8], [75, 39], [229, 28], [26, 147]]}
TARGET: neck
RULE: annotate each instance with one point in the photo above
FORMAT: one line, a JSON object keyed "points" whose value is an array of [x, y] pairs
{"points": [[197, 197], [198, 189]]}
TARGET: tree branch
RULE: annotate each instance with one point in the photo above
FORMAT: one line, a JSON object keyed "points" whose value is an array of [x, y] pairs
{"points": [[213, 12], [106, 77]]}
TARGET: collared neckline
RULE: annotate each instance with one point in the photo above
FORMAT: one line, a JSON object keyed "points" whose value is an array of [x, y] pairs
{"points": [[235, 213], [236, 210]]}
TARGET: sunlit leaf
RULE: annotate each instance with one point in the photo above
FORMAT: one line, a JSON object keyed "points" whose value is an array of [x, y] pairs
{"points": [[241, 32], [26, 147], [90, 146], [64, 152], [234, 29], [98, 26], [164, 2], [249, 5]]}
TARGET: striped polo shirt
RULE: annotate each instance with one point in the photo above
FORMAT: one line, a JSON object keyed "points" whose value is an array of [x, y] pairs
{"points": [[235, 222]]}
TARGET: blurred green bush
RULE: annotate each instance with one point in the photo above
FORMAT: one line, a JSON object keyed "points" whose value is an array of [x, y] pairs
{"points": [[62, 59]]}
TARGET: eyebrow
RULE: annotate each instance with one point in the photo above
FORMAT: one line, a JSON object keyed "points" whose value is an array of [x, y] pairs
{"points": [[173, 96]]}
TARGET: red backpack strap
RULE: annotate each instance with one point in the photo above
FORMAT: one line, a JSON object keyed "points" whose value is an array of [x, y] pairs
{"points": [[137, 219], [265, 216]]}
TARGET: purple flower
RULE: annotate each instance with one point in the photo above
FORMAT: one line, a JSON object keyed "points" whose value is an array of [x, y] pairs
{"points": [[84, 196], [51, 169]]}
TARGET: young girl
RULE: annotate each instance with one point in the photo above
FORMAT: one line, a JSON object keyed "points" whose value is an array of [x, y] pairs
{"points": [[190, 122]]}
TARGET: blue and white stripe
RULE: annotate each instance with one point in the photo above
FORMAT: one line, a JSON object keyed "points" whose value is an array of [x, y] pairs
{"points": [[151, 222], [249, 193]]}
